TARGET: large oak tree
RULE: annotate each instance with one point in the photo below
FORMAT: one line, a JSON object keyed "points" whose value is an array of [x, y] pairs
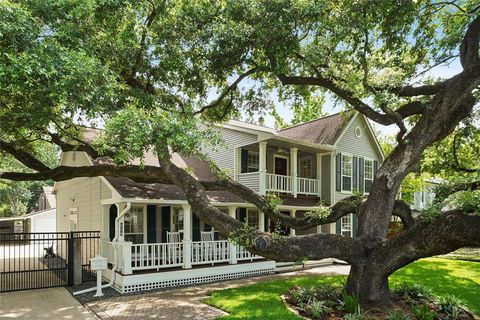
{"points": [[152, 70]]}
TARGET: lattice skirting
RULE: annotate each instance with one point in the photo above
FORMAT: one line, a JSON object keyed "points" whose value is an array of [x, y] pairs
{"points": [[194, 279]]}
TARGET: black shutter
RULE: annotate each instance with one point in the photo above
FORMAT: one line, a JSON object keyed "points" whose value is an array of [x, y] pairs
{"points": [[242, 215], [112, 215], [266, 227], [361, 175], [244, 161], [151, 224], [165, 222], [375, 167], [338, 226], [195, 228], [355, 174], [338, 172]]}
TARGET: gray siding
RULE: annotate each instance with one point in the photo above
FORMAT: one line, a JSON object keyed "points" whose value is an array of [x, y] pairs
{"points": [[250, 180], [363, 146], [325, 181], [224, 155]]}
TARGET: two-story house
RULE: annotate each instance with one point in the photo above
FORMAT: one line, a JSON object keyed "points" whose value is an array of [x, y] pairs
{"points": [[150, 235]]}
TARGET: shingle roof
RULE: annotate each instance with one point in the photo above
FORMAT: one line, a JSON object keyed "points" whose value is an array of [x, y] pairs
{"points": [[324, 130]]}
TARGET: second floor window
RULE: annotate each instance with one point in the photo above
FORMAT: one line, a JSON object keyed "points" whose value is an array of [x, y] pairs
{"points": [[368, 175], [346, 173], [253, 161]]}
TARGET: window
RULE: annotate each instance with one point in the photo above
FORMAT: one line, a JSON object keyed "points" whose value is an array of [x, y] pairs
{"points": [[346, 173], [133, 225], [253, 161], [306, 167], [252, 219], [346, 225], [177, 220], [368, 175]]}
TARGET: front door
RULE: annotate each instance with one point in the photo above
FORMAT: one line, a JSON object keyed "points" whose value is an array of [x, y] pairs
{"points": [[281, 166]]}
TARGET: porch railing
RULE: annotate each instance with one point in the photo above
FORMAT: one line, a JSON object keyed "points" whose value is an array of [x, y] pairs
{"points": [[156, 255], [308, 186], [243, 254], [279, 183], [210, 251]]}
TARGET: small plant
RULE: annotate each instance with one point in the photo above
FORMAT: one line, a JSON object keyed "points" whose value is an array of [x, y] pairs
{"points": [[397, 315], [451, 305], [413, 291], [354, 316], [423, 312], [351, 303], [318, 308]]}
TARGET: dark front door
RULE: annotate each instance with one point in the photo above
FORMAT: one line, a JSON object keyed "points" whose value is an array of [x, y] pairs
{"points": [[281, 166], [112, 215]]}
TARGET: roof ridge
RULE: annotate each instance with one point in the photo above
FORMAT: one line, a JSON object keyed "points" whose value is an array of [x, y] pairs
{"points": [[310, 121]]}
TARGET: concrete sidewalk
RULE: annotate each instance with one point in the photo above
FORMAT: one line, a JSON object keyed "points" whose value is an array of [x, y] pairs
{"points": [[51, 303]]}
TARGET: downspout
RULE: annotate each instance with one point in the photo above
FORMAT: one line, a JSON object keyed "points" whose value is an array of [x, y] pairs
{"points": [[115, 252]]}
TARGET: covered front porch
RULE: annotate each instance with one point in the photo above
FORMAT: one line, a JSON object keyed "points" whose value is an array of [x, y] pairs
{"points": [[139, 237]]}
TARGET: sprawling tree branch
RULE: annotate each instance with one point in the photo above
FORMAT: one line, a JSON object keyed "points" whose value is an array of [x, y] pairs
{"points": [[24, 157]]}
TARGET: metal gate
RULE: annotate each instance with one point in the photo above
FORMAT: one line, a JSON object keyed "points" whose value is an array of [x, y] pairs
{"points": [[43, 260]]}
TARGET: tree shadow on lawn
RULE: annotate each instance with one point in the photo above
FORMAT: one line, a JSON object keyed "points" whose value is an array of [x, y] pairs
{"points": [[262, 300], [443, 277]]}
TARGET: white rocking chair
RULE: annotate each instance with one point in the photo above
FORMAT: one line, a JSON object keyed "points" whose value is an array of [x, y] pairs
{"points": [[174, 249]]}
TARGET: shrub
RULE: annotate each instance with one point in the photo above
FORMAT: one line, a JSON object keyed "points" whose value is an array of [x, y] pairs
{"points": [[413, 291], [451, 305], [423, 312], [318, 308]]}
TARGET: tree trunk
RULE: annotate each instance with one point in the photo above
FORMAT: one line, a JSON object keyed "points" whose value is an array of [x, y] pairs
{"points": [[369, 282]]}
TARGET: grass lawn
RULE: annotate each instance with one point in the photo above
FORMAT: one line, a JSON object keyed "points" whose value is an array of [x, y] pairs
{"points": [[262, 300]]}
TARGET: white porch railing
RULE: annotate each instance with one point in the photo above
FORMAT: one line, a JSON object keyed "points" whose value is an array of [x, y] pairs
{"points": [[156, 255], [107, 251], [243, 254], [279, 183], [308, 186], [210, 251]]}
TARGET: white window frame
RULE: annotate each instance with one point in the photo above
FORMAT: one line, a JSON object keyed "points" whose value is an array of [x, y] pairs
{"points": [[257, 168], [342, 190], [253, 212], [364, 174], [173, 226], [283, 157], [310, 176], [144, 221], [350, 223]]}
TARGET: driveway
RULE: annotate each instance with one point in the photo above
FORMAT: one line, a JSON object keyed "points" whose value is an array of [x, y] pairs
{"points": [[51, 303], [185, 303]]}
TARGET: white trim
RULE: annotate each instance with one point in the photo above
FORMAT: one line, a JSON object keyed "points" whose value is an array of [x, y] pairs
{"points": [[283, 157], [379, 149], [350, 215]]}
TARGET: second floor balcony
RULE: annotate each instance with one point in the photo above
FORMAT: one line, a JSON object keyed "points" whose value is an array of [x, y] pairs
{"points": [[281, 167]]}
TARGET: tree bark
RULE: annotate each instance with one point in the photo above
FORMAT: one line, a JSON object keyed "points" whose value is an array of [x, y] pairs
{"points": [[369, 282]]}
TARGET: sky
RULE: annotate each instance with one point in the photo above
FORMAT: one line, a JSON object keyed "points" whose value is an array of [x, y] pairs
{"points": [[444, 71]]}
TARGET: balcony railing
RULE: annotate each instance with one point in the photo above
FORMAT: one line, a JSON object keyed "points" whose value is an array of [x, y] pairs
{"points": [[280, 183]]}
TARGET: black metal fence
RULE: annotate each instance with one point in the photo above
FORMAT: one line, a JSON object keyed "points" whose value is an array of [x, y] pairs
{"points": [[42, 260]]}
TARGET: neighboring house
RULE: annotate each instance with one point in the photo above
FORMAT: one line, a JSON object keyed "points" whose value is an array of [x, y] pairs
{"points": [[146, 228], [424, 197], [42, 220]]}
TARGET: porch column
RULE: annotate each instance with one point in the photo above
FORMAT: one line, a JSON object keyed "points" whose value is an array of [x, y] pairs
{"points": [[292, 214], [293, 170], [233, 246], [261, 221], [238, 165], [262, 170], [126, 257], [319, 173], [187, 236]]}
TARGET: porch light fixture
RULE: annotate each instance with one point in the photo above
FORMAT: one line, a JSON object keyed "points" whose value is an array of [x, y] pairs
{"points": [[281, 150]]}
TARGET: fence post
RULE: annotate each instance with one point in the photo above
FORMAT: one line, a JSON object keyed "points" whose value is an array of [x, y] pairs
{"points": [[70, 262]]}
